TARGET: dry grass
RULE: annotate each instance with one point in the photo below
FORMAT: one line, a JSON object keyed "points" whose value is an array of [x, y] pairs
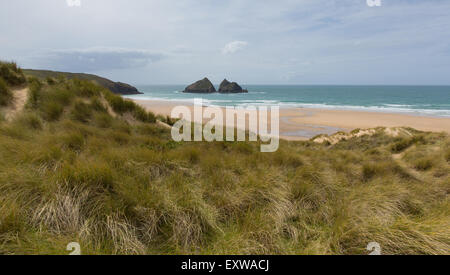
{"points": [[6, 95], [11, 73]]}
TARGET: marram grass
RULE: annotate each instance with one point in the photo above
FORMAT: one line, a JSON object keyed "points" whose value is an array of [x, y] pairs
{"points": [[83, 165]]}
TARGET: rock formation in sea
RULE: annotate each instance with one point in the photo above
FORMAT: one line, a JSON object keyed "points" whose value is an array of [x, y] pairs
{"points": [[203, 86], [227, 87]]}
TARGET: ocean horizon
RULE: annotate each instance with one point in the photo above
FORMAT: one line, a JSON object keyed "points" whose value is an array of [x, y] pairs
{"points": [[415, 100]]}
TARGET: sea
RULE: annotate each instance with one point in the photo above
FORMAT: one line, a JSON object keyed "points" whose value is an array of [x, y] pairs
{"points": [[416, 100]]}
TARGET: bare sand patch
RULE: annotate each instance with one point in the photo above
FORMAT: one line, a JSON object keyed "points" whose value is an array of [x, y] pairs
{"points": [[19, 101]]}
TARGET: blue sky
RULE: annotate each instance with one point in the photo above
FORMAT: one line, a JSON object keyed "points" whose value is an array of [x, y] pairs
{"points": [[249, 41]]}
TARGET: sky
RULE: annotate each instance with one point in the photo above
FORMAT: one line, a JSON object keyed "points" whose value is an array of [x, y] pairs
{"points": [[344, 42]]}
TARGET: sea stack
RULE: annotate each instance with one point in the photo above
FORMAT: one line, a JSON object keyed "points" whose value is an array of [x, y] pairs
{"points": [[203, 86], [227, 87]]}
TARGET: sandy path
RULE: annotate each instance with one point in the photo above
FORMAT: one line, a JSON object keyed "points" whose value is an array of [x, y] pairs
{"points": [[20, 99]]}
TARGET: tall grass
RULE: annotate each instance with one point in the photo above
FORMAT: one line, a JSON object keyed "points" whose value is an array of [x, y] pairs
{"points": [[34, 88], [11, 73], [122, 106], [119, 185], [81, 111], [6, 96]]}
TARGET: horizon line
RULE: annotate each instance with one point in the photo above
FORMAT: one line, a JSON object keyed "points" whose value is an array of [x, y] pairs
{"points": [[275, 84]]}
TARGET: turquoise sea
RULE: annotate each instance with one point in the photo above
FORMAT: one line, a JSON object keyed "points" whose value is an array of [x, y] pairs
{"points": [[419, 100]]}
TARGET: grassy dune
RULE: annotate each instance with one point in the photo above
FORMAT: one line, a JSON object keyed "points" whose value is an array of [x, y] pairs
{"points": [[10, 75], [80, 164]]}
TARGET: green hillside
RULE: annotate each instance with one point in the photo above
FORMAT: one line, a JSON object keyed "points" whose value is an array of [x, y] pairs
{"points": [[115, 87]]}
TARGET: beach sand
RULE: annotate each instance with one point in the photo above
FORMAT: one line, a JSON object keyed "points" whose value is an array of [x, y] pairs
{"points": [[305, 123]]}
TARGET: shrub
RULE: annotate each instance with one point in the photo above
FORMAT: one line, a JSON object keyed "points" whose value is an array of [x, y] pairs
{"points": [[6, 96], [81, 112]]}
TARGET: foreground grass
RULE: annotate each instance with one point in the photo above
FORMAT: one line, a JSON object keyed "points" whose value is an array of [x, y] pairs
{"points": [[83, 165]]}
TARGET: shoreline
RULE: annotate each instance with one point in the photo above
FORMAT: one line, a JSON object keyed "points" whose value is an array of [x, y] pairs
{"points": [[434, 113], [305, 123]]}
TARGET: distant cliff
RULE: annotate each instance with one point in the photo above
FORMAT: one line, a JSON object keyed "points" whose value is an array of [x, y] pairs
{"points": [[115, 87]]}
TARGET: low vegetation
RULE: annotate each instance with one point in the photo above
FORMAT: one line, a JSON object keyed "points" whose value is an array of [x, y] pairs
{"points": [[11, 73], [10, 76], [83, 165], [5, 93]]}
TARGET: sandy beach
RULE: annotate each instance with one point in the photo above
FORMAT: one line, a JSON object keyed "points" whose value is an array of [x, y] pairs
{"points": [[305, 123]]}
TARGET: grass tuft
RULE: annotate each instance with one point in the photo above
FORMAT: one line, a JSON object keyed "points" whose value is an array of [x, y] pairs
{"points": [[103, 120], [81, 112], [6, 95], [30, 121], [73, 141], [51, 110], [425, 163], [122, 106], [401, 145], [50, 81], [447, 155], [11, 73]]}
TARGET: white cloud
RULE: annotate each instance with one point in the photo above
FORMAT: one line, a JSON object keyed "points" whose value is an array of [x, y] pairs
{"points": [[233, 47]]}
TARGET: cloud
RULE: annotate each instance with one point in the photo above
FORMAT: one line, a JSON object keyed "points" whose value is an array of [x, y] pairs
{"points": [[100, 58], [406, 41], [233, 47]]}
